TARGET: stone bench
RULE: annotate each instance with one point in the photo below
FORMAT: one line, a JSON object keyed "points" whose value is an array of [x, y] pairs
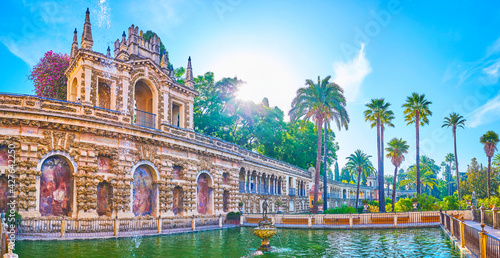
{"points": [[341, 221], [297, 221]]}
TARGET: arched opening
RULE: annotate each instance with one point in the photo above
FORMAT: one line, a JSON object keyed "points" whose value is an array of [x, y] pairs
{"points": [[56, 187], [225, 201], [144, 192], [204, 194], [104, 95], [242, 180], [104, 199], [73, 89], [144, 97], [178, 201], [4, 194]]}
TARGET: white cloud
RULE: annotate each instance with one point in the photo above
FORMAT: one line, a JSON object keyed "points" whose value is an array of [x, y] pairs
{"points": [[486, 113], [350, 74]]}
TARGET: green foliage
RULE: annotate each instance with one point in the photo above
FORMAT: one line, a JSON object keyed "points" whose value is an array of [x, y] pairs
{"points": [[404, 204], [344, 209], [258, 127], [449, 203], [337, 172], [12, 222], [233, 215], [477, 180], [279, 203], [427, 203], [364, 201], [494, 200], [240, 204]]}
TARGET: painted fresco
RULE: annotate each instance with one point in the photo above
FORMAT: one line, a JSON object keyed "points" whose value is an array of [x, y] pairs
{"points": [[56, 187], [143, 191], [204, 193], [177, 172], [4, 194], [4, 155], [224, 178], [104, 195], [177, 202], [104, 164]]}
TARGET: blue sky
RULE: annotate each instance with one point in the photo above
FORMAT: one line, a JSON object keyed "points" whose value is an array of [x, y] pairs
{"points": [[448, 50]]}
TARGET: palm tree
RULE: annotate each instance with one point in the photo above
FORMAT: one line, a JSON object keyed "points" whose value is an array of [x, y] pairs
{"points": [[455, 120], [490, 141], [396, 151], [449, 158], [417, 111], [378, 114], [359, 162], [496, 160], [321, 102], [427, 179]]}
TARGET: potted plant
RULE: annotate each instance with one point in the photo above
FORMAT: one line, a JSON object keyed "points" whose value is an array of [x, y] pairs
{"points": [[240, 205], [414, 201], [279, 204], [365, 205], [320, 205]]}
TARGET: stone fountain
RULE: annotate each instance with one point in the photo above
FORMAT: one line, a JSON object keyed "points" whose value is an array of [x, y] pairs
{"points": [[265, 230]]}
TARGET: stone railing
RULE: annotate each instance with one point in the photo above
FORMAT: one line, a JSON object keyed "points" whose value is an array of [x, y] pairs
{"points": [[63, 227], [363, 220]]}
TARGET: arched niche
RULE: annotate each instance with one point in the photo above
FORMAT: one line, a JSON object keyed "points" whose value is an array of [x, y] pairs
{"points": [[104, 199], [146, 103], [204, 193], [73, 90], [225, 201], [178, 201], [144, 190], [56, 189]]}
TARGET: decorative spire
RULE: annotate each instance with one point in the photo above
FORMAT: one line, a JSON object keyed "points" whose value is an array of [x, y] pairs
{"points": [[87, 41], [108, 52], [172, 72], [189, 75], [164, 62], [74, 46], [124, 36]]}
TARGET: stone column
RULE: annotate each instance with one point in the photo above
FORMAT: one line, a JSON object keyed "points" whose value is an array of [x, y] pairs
{"points": [[495, 218], [482, 213]]}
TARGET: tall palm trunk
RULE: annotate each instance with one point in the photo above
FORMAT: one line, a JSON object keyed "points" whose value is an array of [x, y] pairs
{"points": [[450, 186], [489, 170], [417, 128], [394, 187], [381, 171], [357, 190], [381, 184], [318, 165], [456, 163]]}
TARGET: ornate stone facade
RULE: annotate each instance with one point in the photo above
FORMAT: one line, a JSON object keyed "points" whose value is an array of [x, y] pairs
{"points": [[125, 134]]}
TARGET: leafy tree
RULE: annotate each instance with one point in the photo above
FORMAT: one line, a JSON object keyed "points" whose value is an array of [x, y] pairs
{"points": [[396, 152], [496, 161], [359, 162], [455, 121], [48, 76], [345, 175], [337, 173], [427, 178], [477, 180], [321, 102], [378, 114], [417, 111], [490, 141]]}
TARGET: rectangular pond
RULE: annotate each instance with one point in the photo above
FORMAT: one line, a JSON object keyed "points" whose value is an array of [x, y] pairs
{"points": [[240, 242]]}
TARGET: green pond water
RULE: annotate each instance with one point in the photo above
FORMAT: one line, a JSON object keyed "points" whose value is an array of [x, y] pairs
{"points": [[240, 242]]}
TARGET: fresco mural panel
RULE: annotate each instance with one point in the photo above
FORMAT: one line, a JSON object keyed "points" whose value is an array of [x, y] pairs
{"points": [[104, 164], [104, 197], [204, 193], [56, 187], [178, 201], [143, 191], [4, 194], [4, 155]]}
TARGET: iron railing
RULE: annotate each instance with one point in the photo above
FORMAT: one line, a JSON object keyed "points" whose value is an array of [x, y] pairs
{"points": [[144, 118]]}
